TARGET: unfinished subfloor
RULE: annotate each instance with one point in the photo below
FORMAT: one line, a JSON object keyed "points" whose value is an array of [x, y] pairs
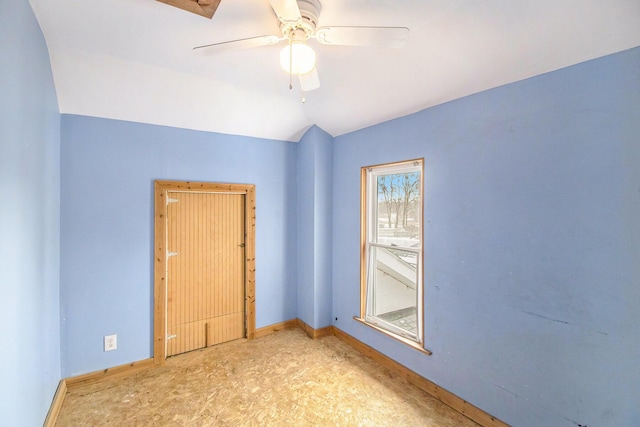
{"points": [[283, 379]]}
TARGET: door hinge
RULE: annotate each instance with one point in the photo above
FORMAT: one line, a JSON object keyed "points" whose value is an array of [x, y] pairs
{"points": [[170, 200], [169, 254], [170, 337]]}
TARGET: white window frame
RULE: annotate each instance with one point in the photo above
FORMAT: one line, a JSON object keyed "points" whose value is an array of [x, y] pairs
{"points": [[369, 241]]}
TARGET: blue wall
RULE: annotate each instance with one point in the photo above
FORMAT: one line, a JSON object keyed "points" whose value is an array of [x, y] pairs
{"points": [[29, 220], [532, 243], [108, 169], [314, 181]]}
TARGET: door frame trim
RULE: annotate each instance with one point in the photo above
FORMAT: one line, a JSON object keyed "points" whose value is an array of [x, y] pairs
{"points": [[161, 188]]}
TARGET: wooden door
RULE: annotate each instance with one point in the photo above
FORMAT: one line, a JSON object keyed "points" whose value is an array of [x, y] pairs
{"points": [[205, 269]]}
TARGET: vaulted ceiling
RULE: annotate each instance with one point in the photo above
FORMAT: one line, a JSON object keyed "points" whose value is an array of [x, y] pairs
{"points": [[133, 60]]}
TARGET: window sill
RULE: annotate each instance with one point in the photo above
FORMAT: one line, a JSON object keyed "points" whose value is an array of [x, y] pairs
{"points": [[410, 343]]}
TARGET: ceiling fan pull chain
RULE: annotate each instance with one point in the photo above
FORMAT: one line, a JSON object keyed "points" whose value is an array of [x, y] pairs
{"points": [[290, 61], [303, 99]]}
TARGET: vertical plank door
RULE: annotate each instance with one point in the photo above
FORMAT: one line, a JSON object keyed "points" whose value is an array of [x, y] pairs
{"points": [[205, 270]]}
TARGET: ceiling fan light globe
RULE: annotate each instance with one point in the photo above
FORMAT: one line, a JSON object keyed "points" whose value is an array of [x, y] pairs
{"points": [[304, 58]]}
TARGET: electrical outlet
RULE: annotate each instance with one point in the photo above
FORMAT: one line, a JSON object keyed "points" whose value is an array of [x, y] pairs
{"points": [[110, 342]]}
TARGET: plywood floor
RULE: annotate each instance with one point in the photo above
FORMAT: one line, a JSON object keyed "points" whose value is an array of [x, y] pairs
{"points": [[284, 379]]}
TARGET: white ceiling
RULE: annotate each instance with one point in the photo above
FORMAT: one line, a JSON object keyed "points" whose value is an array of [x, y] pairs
{"points": [[132, 59]]}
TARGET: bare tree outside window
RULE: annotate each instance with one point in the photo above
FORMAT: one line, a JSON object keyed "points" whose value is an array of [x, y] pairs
{"points": [[398, 195]]}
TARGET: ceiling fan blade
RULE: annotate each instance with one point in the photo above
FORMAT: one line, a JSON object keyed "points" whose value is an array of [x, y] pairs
{"points": [[309, 81], [363, 36], [286, 10], [211, 49]]}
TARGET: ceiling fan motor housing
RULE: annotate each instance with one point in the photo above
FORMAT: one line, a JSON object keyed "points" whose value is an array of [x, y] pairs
{"points": [[309, 12]]}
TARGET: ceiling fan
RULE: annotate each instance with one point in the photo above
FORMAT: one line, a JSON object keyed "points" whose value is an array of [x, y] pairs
{"points": [[298, 21]]}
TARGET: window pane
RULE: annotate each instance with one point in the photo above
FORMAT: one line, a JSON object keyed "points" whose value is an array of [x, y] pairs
{"points": [[392, 287], [398, 209]]}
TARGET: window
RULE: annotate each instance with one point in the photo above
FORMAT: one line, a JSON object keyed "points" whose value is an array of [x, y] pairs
{"points": [[391, 259]]}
